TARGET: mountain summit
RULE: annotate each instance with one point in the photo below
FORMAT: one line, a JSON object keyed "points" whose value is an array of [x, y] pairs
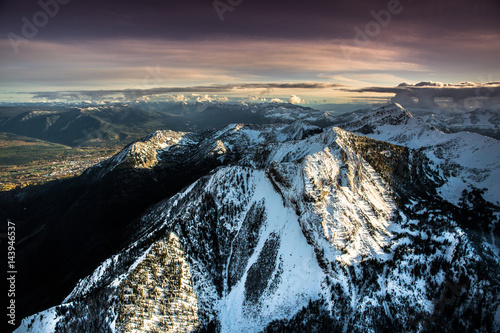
{"points": [[294, 228]]}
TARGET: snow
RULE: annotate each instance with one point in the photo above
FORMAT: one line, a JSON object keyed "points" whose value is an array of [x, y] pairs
{"points": [[85, 285], [497, 318], [253, 135], [458, 120], [355, 214], [44, 321], [477, 156], [300, 280], [144, 153], [319, 196]]}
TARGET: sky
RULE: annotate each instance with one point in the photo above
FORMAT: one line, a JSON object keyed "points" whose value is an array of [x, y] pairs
{"points": [[300, 51]]}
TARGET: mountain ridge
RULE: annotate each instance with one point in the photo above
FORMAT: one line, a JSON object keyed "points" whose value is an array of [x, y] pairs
{"points": [[376, 240]]}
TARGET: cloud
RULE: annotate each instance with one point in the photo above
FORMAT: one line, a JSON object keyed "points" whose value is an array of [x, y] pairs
{"points": [[294, 99], [210, 98], [424, 94], [194, 20], [429, 84], [133, 94], [179, 98], [108, 44], [131, 63], [276, 100], [105, 63]]}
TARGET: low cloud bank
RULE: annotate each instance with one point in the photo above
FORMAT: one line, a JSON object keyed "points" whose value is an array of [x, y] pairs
{"points": [[133, 94], [468, 95]]}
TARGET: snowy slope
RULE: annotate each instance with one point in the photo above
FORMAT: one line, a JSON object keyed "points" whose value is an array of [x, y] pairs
{"points": [[301, 229], [481, 121], [464, 159]]}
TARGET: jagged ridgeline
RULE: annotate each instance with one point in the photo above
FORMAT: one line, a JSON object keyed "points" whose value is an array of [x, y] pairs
{"points": [[385, 225]]}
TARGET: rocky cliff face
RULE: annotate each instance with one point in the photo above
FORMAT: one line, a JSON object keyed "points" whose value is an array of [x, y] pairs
{"points": [[301, 229]]}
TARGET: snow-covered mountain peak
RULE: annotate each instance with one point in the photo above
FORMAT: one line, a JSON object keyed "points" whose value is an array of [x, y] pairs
{"points": [[392, 114], [143, 153], [482, 121], [475, 158], [392, 107], [293, 228], [299, 130]]}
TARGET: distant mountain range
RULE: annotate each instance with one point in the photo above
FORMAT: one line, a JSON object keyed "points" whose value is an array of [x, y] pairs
{"points": [[121, 124], [381, 221], [481, 121]]}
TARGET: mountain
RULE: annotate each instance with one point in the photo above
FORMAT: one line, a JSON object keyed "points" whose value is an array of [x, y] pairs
{"points": [[121, 123], [384, 224], [88, 126], [482, 121], [465, 160]]}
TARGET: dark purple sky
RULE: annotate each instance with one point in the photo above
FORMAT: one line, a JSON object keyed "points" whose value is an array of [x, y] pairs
{"points": [[312, 19], [104, 44]]}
